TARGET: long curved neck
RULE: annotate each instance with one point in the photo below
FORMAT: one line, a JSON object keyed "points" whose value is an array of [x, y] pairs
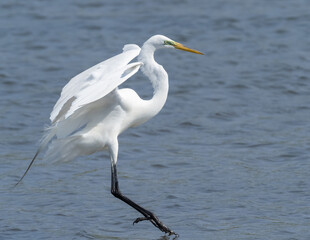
{"points": [[158, 77]]}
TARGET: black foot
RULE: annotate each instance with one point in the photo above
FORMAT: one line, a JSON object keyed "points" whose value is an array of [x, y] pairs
{"points": [[147, 214], [155, 221]]}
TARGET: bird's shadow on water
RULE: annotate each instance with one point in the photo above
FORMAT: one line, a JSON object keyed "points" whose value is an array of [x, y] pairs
{"points": [[165, 237], [87, 235]]}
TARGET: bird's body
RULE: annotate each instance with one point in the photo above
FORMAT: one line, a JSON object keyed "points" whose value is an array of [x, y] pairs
{"points": [[92, 111], [97, 124]]}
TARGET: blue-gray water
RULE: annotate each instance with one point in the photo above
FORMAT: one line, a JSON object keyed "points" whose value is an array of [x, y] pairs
{"points": [[227, 157]]}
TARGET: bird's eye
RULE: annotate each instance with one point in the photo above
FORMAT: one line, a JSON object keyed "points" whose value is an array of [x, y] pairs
{"points": [[169, 43]]}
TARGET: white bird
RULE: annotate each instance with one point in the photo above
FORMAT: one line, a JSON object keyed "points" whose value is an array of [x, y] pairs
{"points": [[92, 111]]}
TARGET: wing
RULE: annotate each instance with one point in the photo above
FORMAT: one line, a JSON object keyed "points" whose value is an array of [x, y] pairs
{"points": [[96, 82]]}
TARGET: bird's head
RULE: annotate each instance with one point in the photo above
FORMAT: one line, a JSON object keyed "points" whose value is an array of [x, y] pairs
{"points": [[160, 41]]}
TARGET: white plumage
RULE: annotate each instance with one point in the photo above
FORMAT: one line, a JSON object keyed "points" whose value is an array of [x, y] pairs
{"points": [[96, 82], [85, 102], [91, 111]]}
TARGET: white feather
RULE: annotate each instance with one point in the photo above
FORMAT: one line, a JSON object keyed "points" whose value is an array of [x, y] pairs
{"points": [[95, 82], [92, 112]]}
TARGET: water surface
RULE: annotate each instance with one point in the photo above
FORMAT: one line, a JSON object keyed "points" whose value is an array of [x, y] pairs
{"points": [[227, 157]]}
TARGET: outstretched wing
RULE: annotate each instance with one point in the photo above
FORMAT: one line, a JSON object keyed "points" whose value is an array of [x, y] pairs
{"points": [[96, 82]]}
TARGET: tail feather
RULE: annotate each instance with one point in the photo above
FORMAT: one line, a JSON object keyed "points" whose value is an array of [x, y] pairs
{"points": [[35, 156], [50, 133], [63, 150]]}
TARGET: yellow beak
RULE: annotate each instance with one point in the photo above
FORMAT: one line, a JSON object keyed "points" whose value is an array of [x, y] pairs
{"points": [[184, 48]]}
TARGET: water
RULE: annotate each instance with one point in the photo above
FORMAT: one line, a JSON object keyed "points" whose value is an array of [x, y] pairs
{"points": [[227, 157]]}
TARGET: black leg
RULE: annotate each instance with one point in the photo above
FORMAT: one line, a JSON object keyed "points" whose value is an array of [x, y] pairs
{"points": [[147, 214]]}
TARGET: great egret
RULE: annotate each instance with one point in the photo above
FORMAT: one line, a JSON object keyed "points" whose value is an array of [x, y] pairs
{"points": [[92, 112]]}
